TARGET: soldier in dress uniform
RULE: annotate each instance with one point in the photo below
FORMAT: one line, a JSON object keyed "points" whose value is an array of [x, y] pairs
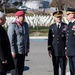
{"points": [[70, 39], [56, 43]]}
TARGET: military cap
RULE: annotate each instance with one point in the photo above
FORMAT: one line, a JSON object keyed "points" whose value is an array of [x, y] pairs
{"points": [[57, 13], [70, 10], [19, 13]]}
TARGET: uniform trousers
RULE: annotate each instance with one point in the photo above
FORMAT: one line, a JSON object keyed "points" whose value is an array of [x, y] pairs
{"points": [[59, 61], [72, 64], [19, 65]]}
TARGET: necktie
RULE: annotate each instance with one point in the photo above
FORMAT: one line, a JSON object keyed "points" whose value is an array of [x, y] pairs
{"points": [[58, 28]]}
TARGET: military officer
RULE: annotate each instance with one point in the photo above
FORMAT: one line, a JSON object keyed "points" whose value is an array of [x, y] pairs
{"points": [[56, 43], [70, 39], [18, 33]]}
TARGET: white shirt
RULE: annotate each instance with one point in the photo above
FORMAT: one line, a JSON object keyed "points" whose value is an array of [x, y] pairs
{"points": [[73, 20], [58, 24]]}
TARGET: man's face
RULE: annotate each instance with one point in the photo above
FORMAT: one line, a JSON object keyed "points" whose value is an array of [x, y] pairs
{"points": [[58, 19], [2, 20], [21, 19], [70, 16]]}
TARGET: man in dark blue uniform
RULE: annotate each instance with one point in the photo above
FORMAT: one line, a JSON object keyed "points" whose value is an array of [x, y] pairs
{"points": [[56, 43], [70, 39]]}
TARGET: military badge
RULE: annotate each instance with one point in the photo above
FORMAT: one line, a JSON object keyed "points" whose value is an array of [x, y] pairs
{"points": [[73, 28], [64, 29]]}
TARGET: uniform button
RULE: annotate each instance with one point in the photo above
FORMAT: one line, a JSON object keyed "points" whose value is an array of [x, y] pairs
{"points": [[67, 34], [53, 35], [74, 33], [57, 42], [67, 37], [57, 35], [66, 41], [57, 39], [68, 31]]}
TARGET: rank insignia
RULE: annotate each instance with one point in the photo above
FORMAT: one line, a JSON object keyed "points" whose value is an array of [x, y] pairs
{"points": [[73, 28], [64, 29]]}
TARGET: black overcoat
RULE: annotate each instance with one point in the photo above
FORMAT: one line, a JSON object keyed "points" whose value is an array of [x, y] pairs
{"points": [[5, 52]]}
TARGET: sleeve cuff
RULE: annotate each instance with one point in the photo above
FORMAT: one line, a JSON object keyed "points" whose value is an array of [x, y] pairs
{"points": [[49, 46]]}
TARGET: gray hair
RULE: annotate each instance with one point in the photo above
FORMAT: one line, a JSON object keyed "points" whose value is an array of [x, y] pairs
{"points": [[2, 15]]}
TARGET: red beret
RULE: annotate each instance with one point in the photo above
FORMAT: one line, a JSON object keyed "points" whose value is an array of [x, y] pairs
{"points": [[19, 13]]}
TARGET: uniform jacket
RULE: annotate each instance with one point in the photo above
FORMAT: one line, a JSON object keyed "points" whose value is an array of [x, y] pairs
{"points": [[56, 39], [70, 39], [19, 37], [5, 52]]}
